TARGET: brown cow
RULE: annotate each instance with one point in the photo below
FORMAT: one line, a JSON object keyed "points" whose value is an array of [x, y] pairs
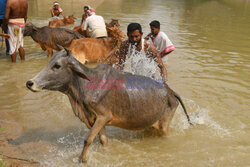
{"points": [[4, 35], [62, 22], [114, 22], [93, 50], [49, 38], [79, 30]]}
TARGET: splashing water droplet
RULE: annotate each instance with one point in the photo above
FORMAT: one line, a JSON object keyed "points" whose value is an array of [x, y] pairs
{"points": [[138, 63]]}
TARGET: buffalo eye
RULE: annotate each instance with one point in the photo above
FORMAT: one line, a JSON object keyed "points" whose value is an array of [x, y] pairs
{"points": [[56, 66]]}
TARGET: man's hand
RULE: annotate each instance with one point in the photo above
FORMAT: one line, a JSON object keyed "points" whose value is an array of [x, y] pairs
{"points": [[63, 15], [5, 35]]}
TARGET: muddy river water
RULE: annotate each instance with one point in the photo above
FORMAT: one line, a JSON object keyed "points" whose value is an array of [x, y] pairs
{"points": [[210, 69]]}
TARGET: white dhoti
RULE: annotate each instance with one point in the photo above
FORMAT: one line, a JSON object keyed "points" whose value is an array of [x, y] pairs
{"points": [[15, 30]]}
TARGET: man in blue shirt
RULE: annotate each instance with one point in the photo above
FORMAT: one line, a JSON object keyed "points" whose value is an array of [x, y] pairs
{"points": [[2, 12]]}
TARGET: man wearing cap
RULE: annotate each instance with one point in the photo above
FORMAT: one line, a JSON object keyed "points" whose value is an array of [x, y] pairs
{"points": [[56, 11], [94, 26], [161, 41]]}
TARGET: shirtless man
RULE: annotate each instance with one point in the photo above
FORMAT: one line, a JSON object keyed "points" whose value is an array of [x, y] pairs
{"points": [[56, 11], [14, 20], [134, 33]]}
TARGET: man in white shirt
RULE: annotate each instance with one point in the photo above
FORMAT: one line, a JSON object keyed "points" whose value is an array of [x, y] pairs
{"points": [[160, 40], [94, 26]]}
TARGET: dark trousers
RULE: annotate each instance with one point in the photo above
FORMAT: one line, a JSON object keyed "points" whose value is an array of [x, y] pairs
{"points": [[6, 40]]}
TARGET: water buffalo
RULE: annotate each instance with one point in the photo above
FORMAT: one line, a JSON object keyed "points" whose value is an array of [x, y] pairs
{"points": [[101, 97], [49, 38]]}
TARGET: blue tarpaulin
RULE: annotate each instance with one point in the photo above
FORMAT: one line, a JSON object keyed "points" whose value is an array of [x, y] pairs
{"points": [[2, 8]]}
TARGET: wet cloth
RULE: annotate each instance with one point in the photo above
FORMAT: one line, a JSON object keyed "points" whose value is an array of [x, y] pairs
{"points": [[16, 30], [163, 44], [96, 26]]}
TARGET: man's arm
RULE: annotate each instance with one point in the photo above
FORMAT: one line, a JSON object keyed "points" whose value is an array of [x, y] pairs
{"points": [[52, 11], [83, 18], [154, 53], [62, 14]]}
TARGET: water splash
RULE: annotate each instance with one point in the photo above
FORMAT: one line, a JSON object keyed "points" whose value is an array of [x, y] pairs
{"points": [[198, 116], [138, 63]]}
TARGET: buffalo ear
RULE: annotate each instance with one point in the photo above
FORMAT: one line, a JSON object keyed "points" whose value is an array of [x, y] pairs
{"points": [[80, 69]]}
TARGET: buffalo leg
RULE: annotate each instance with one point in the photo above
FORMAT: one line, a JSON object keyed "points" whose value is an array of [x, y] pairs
{"points": [[103, 137], [98, 125], [165, 122]]}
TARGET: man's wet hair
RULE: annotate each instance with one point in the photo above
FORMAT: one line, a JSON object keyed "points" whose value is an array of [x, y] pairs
{"points": [[134, 26], [86, 7], [155, 24]]}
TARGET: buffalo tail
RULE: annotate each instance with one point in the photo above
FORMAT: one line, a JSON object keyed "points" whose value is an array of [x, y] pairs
{"points": [[184, 108]]}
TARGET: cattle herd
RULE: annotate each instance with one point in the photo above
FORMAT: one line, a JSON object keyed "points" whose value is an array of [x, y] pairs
{"points": [[100, 96], [50, 37]]}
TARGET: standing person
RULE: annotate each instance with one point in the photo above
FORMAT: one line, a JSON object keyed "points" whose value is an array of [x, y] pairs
{"points": [[56, 11], [134, 33], [94, 26], [2, 12], [161, 41], [14, 20]]}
